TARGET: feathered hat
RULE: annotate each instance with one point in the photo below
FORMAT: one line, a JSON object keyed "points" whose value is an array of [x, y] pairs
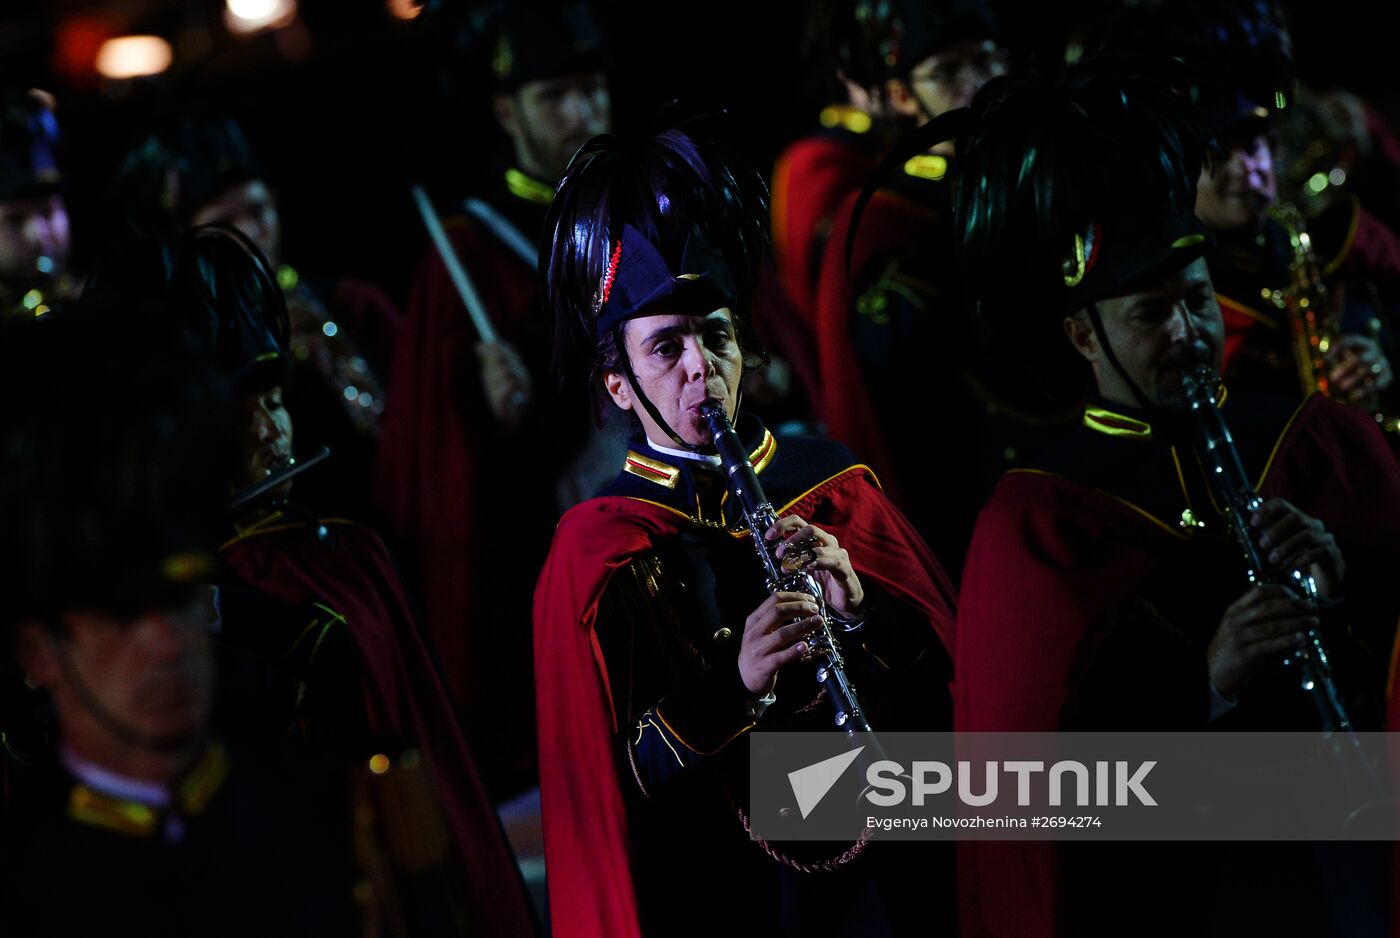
{"points": [[1070, 189], [211, 288], [166, 179], [1238, 53], [872, 41], [112, 445], [1079, 188], [666, 223]]}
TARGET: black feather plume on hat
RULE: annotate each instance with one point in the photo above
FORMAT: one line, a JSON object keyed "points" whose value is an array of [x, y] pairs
{"points": [[1239, 53], [1068, 188], [1079, 188], [669, 187]]}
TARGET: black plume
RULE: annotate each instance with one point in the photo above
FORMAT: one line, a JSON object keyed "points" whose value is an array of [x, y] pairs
{"points": [[1114, 142], [665, 186]]}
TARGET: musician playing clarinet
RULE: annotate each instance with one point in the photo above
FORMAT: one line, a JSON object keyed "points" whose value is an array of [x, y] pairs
{"points": [[657, 645], [1103, 590]]}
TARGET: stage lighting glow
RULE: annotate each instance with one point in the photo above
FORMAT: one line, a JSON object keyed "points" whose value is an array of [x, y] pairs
{"points": [[252, 9], [133, 56], [246, 16]]}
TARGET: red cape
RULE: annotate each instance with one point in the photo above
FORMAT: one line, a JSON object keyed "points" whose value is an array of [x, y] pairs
{"points": [[1051, 557], [811, 178], [888, 223], [585, 821], [404, 697], [437, 426]]}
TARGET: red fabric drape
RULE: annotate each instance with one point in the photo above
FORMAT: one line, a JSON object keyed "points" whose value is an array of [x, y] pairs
{"points": [[585, 822], [436, 431], [352, 574]]}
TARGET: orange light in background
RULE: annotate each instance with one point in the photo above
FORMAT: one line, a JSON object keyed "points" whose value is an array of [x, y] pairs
{"points": [[249, 16], [404, 9], [133, 57]]}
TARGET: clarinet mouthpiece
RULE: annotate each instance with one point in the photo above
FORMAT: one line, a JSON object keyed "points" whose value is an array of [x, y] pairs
{"points": [[715, 417]]}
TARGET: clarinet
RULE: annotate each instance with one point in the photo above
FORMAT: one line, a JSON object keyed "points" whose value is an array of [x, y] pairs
{"points": [[291, 470], [1234, 494], [759, 516]]}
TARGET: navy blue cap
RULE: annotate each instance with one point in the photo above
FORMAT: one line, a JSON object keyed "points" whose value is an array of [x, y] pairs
{"points": [[639, 282]]}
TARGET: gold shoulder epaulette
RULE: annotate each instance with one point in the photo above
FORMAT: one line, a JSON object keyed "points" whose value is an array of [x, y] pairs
{"points": [[653, 470]]}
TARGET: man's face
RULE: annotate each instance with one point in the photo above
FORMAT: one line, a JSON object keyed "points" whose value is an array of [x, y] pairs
{"points": [[33, 236], [1241, 188], [152, 673], [251, 208], [680, 362], [549, 119], [1157, 335], [949, 78], [267, 440]]}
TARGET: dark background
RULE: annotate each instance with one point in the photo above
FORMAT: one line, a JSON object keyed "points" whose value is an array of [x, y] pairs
{"points": [[348, 105]]}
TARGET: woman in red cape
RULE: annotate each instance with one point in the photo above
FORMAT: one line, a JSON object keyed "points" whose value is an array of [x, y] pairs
{"points": [[657, 646]]}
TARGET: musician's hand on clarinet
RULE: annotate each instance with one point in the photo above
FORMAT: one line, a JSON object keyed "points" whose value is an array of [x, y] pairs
{"points": [[1259, 626], [1295, 541], [505, 382], [817, 552], [773, 638]]}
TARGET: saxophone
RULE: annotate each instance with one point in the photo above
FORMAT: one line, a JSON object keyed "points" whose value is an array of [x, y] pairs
{"points": [[759, 515], [1307, 303], [1311, 312]]}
